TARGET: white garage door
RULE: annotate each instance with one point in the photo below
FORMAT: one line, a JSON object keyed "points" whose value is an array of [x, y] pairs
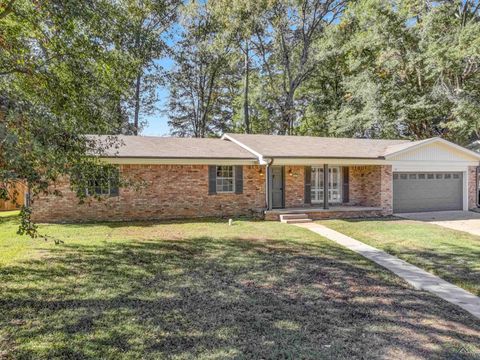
{"points": [[416, 192]]}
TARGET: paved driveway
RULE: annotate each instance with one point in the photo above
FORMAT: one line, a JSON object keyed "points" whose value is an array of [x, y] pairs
{"points": [[467, 221]]}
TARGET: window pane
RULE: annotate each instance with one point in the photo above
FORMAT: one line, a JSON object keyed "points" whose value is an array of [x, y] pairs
{"points": [[421, 176], [225, 179], [105, 182]]}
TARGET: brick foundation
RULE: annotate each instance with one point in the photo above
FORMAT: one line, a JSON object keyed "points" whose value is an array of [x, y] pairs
{"points": [[333, 214]]}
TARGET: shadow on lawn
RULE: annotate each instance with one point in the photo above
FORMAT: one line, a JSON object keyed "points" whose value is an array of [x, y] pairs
{"points": [[229, 298], [448, 259], [457, 265]]}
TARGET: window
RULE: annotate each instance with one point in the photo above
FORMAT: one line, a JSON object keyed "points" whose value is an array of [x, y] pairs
{"points": [[456, 176], [430, 176], [395, 176], [447, 176], [403, 176], [421, 176], [104, 183], [225, 179], [412, 176]]}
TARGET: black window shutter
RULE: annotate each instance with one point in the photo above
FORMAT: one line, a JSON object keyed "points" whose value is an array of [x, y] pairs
{"points": [[114, 182], [346, 186], [239, 179], [212, 179], [308, 185]]}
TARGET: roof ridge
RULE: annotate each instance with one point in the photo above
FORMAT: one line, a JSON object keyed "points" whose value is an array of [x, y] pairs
{"points": [[319, 137]]}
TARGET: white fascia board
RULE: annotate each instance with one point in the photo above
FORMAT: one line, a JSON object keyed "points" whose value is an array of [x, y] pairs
{"points": [[261, 160], [330, 161], [170, 161], [434, 140], [419, 166]]}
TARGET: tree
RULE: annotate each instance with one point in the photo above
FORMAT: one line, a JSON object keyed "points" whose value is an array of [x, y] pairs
{"points": [[239, 21], [284, 46], [412, 70], [200, 88], [63, 74], [145, 26]]}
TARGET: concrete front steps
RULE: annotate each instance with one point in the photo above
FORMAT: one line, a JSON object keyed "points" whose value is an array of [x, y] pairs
{"points": [[294, 218]]}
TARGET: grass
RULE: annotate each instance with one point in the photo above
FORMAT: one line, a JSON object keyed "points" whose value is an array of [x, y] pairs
{"points": [[188, 290], [452, 255], [9, 213]]}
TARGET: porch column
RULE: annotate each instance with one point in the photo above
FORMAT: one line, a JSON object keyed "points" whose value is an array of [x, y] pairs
{"points": [[325, 186], [268, 186]]}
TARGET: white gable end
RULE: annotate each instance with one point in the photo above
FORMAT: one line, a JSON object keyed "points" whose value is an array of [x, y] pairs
{"points": [[435, 151]]}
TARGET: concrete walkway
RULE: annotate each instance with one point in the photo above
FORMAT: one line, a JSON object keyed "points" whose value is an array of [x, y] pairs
{"points": [[418, 278]]}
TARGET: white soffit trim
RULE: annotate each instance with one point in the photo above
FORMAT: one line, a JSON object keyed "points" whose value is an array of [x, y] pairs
{"points": [[178, 161], [242, 145], [417, 166], [329, 161], [467, 152]]}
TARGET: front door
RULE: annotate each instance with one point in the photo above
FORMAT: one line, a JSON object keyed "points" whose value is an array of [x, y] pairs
{"points": [[334, 180], [277, 187]]}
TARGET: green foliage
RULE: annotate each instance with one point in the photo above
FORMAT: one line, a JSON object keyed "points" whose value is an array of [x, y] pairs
{"points": [[407, 71], [65, 72], [202, 81]]}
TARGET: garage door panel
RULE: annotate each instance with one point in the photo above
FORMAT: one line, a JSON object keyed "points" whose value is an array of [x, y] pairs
{"points": [[414, 192]]}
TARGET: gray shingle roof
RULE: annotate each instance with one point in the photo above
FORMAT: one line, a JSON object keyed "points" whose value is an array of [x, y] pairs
{"points": [[319, 147], [169, 147]]}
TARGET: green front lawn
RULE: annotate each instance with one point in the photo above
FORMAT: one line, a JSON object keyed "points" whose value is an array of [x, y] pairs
{"points": [[188, 290], [452, 255]]}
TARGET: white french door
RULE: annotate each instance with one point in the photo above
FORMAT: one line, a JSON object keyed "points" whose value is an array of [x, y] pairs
{"points": [[334, 187]]}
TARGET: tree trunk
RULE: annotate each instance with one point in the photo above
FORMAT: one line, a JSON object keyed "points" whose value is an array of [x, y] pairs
{"points": [[137, 104], [288, 115], [246, 115]]}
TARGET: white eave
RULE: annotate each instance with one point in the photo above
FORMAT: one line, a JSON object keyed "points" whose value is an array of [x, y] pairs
{"points": [[177, 161]]}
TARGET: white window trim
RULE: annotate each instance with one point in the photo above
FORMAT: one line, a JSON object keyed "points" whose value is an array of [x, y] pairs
{"points": [[223, 177], [87, 192], [340, 185]]}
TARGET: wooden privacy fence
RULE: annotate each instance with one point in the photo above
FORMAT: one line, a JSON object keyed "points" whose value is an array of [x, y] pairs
{"points": [[21, 189]]}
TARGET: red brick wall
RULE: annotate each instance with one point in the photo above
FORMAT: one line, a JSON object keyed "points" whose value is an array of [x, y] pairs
{"points": [[472, 187], [371, 185], [294, 186], [169, 192]]}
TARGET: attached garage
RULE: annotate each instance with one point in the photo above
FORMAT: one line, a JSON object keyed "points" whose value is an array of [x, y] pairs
{"points": [[433, 175], [433, 191]]}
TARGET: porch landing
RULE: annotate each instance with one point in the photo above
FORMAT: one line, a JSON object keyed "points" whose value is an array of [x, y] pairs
{"points": [[333, 212]]}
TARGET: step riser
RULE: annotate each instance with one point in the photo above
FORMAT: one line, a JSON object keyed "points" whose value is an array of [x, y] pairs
{"points": [[296, 221], [293, 216]]}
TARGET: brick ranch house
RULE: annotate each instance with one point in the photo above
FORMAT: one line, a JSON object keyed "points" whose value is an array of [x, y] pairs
{"points": [[270, 175]]}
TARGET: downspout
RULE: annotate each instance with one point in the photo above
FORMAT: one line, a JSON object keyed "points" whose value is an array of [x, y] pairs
{"points": [[268, 185]]}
